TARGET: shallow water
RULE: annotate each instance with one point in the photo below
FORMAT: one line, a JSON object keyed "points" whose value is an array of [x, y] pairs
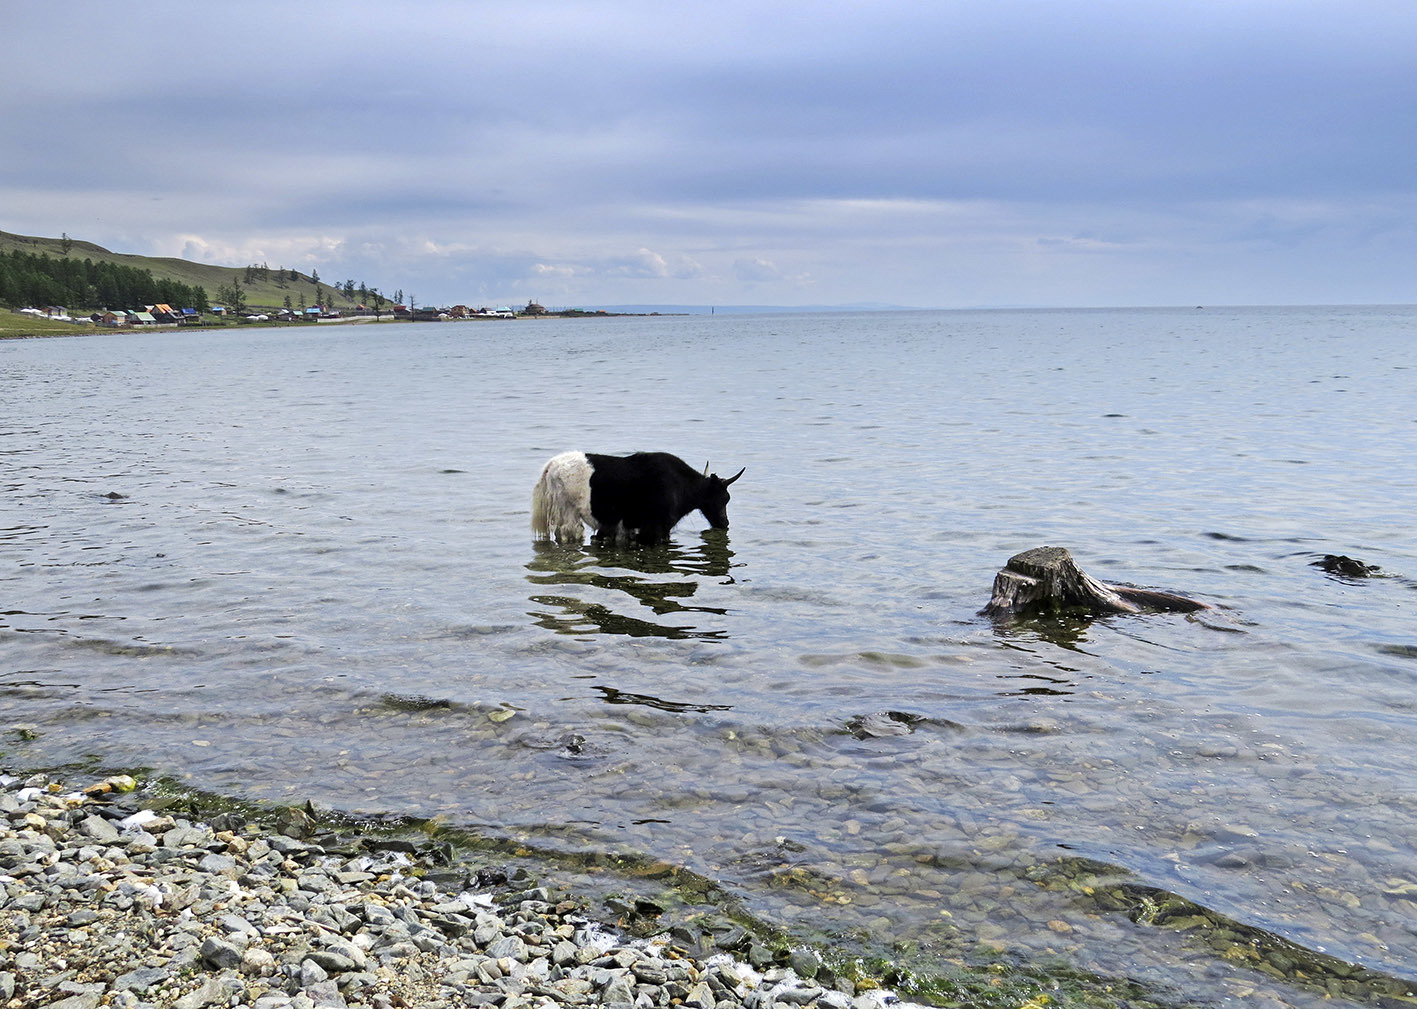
{"points": [[297, 565]]}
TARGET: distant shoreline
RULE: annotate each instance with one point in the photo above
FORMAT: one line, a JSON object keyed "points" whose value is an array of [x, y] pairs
{"points": [[79, 329]]}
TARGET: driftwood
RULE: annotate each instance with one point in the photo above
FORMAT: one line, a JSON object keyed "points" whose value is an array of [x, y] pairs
{"points": [[1046, 580]]}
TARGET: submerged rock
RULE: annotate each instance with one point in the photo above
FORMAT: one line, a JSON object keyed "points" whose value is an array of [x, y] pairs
{"points": [[883, 723], [1347, 567]]}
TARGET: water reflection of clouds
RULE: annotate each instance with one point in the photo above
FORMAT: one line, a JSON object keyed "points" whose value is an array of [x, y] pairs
{"points": [[659, 578]]}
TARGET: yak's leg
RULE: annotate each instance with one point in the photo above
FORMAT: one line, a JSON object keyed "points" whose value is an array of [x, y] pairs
{"points": [[652, 533]]}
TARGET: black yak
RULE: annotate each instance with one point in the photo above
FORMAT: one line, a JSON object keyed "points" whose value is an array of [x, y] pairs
{"points": [[639, 497]]}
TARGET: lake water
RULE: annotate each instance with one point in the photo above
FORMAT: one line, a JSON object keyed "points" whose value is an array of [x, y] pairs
{"points": [[317, 580]]}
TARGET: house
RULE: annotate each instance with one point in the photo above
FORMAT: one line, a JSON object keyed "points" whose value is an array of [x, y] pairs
{"points": [[142, 319], [532, 308], [163, 313], [459, 312], [114, 319], [190, 316], [218, 310]]}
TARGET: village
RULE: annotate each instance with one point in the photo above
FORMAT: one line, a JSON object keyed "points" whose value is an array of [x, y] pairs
{"points": [[166, 315]]}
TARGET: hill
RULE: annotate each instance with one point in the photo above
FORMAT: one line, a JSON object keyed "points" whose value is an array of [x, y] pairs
{"points": [[262, 289]]}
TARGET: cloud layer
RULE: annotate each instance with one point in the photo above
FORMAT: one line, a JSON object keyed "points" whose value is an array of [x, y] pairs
{"points": [[932, 154]]}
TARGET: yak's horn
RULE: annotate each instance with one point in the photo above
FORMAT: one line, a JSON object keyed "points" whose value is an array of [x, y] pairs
{"points": [[735, 476]]}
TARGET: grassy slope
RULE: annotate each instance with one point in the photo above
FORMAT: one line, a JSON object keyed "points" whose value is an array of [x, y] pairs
{"points": [[13, 324], [259, 294]]}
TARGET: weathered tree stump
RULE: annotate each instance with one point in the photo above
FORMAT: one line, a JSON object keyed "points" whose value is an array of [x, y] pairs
{"points": [[1047, 581]]}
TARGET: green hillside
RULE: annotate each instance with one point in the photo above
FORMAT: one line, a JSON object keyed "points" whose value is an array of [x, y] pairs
{"points": [[262, 290]]}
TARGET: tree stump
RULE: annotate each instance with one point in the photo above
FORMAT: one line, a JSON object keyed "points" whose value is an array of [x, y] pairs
{"points": [[1047, 581]]}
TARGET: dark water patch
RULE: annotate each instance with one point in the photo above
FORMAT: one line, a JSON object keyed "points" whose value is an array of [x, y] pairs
{"points": [[1102, 889], [868, 658], [35, 688], [474, 632], [1057, 686], [635, 573], [128, 649], [883, 723], [613, 696], [568, 745], [579, 617], [415, 702], [1041, 727]]}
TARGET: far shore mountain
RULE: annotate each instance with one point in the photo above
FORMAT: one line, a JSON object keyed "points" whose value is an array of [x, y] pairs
{"points": [[264, 285], [262, 289]]}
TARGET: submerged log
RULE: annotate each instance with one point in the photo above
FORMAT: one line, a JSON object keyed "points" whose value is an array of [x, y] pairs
{"points": [[1046, 580]]}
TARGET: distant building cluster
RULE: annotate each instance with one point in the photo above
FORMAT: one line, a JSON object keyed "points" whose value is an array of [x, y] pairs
{"points": [[464, 312], [166, 315]]}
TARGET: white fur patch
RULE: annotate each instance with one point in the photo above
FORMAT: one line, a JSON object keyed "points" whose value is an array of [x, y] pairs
{"points": [[560, 504]]}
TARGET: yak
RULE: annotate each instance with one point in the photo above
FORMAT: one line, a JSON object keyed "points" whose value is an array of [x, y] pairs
{"points": [[638, 497]]}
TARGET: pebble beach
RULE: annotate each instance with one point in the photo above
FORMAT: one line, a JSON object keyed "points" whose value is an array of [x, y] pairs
{"points": [[107, 901]]}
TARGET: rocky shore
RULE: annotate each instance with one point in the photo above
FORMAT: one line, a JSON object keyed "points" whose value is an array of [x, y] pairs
{"points": [[105, 901]]}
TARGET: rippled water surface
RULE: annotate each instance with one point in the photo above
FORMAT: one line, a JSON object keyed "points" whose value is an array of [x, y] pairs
{"points": [[294, 565]]}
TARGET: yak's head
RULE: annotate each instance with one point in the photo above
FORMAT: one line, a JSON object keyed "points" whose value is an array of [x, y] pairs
{"points": [[714, 502]]}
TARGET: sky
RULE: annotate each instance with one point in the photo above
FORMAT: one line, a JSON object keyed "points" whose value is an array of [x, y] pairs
{"points": [[931, 153]]}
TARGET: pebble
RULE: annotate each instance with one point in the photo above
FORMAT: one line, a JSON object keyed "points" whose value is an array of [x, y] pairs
{"points": [[105, 903]]}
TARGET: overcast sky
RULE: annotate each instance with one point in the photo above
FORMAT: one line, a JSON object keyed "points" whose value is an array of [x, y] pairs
{"points": [[937, 153]]}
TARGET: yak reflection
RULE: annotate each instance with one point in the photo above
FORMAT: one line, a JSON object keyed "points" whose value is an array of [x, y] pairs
{"points": [[661, 578]]}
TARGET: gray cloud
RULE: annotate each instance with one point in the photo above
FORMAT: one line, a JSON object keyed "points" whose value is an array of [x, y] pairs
{"points": [[1019, 152]]}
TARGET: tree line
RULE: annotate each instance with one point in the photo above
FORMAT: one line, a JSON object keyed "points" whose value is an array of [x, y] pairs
{"points": [[360, 293], [27, 279]]}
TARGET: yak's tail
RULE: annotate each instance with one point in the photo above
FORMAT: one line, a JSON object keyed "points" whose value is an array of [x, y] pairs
{"points": [[560, 502], [541, 506]]}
